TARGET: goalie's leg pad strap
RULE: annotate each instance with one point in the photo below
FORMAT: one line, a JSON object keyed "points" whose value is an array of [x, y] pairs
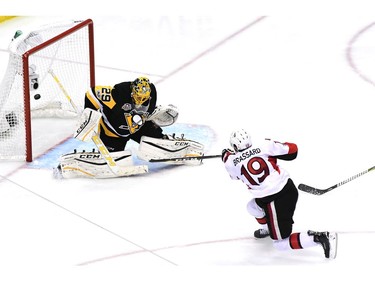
{"points": [[153, 148]]}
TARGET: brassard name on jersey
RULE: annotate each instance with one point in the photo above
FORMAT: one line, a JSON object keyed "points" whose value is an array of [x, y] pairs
{"points": [[245, 155]]}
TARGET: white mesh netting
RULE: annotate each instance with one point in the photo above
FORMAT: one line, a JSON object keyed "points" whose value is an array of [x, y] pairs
{"points": [[69, 59]]}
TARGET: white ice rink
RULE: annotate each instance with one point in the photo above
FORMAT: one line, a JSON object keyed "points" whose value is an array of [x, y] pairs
{"points": [[304, 77]]}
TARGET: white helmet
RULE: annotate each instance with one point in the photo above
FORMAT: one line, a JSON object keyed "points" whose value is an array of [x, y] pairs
{"points": [[240, 140]]}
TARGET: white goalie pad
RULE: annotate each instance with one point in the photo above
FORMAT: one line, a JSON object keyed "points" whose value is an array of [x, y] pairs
{"points": [[164, 115], [92, 165], [87, 124], [169, 148]]}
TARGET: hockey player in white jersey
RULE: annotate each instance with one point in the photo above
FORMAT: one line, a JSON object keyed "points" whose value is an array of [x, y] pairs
{"points": [[274, 193]]}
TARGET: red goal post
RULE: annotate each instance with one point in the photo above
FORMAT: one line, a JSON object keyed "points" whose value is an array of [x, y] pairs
{"points": [[65, 48]]}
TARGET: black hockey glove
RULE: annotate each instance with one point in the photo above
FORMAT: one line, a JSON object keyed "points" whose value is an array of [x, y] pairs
{"points": [[225, 153]]}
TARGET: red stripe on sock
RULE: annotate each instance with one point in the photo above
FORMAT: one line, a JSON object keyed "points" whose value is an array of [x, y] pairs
{"points": [[261, 220], [294, 241]]}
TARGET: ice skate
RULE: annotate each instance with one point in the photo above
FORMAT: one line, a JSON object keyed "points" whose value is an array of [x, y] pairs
{"points": [[328, 240], [261, 233]]}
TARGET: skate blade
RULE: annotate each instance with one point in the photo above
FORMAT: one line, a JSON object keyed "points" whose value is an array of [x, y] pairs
{"points": [[333, 238]]}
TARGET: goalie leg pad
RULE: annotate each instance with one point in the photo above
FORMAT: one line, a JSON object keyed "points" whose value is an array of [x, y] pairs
{"points": [[153, 148], [90, 164]]}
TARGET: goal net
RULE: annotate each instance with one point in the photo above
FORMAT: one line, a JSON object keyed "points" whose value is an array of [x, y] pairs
{"points": [[29, 90]]}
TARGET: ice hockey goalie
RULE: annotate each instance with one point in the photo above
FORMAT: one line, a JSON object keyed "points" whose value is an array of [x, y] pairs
{"points": [[93, 164]]}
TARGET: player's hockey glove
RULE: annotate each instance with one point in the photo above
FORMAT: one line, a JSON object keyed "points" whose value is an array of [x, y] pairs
{"points": [[225, 153]]}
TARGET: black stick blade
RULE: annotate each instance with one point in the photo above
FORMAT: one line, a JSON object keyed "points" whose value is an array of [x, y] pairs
{"points": [[316, 191], [312, 190]]}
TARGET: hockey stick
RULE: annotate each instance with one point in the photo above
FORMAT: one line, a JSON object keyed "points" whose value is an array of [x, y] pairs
{"points": [[62, 88], [316, 191], [117, 170], [185, 158]]}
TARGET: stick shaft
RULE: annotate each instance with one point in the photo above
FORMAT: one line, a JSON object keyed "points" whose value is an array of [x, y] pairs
{"points": [[186, 158], [317, 191]]}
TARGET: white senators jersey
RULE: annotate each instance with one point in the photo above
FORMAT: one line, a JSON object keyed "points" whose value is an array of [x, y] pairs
{"points": [[257, 166]]}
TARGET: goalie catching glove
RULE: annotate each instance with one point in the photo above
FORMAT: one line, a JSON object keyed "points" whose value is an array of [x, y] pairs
{"points": [[164, 115], [170, 147]]}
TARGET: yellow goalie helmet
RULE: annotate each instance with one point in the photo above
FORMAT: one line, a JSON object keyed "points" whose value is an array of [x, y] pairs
{"points": [[141, 91]]}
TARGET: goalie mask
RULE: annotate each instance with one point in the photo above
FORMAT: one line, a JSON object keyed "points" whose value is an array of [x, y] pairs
{"points": [[141, 91], [240, 140]]}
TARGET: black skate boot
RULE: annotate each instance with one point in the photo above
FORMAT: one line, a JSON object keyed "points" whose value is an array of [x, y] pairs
{"points": [[261, 233], [327, 240]]}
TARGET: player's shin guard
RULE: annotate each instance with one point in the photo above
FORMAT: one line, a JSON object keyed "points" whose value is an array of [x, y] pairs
{"points": [[169, 148]]}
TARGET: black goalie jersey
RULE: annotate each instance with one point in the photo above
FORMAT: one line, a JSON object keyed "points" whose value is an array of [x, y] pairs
{"points": [[120, 117]]}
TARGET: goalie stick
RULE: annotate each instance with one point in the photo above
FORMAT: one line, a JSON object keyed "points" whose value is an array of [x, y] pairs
{"points": [[317, 191], [116, 169], [185, 158]]}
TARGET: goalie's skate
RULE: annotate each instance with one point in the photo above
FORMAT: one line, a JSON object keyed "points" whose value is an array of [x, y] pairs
{"points": [[328, 240], [57, 172]]}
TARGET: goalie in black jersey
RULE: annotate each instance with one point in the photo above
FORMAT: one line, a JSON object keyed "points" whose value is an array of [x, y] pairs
{"points": [[123, 112]]}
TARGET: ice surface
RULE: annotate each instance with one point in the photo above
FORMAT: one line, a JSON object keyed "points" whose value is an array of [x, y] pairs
{"points": [[306, 78]]}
